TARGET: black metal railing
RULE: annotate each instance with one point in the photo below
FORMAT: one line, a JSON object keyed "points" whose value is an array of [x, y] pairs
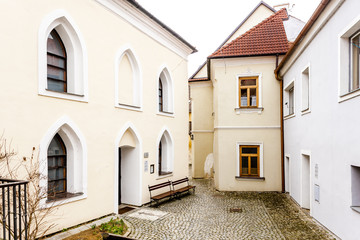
{"points": [[13, 209]]}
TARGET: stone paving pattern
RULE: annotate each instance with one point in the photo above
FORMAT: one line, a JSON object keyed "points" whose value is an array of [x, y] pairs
{"points": [[206, 215]]}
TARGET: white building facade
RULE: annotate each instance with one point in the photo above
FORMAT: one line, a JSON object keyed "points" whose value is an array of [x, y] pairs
{"points": [[102, 99], [320, 100]]}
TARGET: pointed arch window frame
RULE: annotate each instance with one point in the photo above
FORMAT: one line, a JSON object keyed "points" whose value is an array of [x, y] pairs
{"points": [[77, 63], [54, 62], [137, 79], [58, 160], [76, 147], [167, 86], [167, 154]]}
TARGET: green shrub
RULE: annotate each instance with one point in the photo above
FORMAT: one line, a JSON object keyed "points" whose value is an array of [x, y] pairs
{"points": [[115, 226]]}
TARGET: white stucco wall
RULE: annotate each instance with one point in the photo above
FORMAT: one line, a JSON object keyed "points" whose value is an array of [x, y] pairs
{"points": [[28, 117], [329, 132]]}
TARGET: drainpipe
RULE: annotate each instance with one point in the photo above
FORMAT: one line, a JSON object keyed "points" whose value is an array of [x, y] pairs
{"points": [[278, 77]]}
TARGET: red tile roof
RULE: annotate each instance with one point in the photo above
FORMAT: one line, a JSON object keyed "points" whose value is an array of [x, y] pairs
{"points": [[266, 38]]}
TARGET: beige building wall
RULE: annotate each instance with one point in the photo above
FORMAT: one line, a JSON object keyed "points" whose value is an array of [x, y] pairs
{"points": [[234, 126], [203, 144], [202, 73], [203, 125], [27, 117], [256, 17]]}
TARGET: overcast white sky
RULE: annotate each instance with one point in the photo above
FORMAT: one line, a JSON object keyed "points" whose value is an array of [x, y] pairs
{"points": [[207, 23]]}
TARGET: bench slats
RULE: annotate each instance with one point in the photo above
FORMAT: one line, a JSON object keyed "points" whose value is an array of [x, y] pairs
{"points": [[171, 192], [160, 196], [160, 185], [163, 195], [184, 189]]}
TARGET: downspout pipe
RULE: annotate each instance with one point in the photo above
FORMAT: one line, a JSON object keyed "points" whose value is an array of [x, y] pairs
{"points": [[278, 77]]}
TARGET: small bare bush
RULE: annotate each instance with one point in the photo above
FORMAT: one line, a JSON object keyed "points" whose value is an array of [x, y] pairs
{"points": [[28, 169]]}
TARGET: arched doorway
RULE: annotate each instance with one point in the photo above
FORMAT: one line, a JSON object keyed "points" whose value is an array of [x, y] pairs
{"points": [[128, 175]]}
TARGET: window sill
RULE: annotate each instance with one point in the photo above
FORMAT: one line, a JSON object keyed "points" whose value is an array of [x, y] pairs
{"points": [[166, 114], [249, 110], [62, 196], [70, 197], [164, 176], [64, 95], [289, 116], [355, 208], [349, 95], [305, 111], [250, 178], [128, 107]]}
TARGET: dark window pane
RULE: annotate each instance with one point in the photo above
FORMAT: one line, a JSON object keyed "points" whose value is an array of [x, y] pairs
{"points": [[60, 186], [253, 97], [51, 162], [249, 150], [55, 61], [52, 174], [51, 186], [244, 165], [55, 73], [60, 173], [56, 166], [160, 96], [55, 86], [243, 97], [254, 166], [56, 146], [248, 82], [54, 44]]}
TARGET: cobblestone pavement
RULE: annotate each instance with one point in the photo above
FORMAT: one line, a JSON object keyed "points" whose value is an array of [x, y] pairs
{"points": [[209, 214]]}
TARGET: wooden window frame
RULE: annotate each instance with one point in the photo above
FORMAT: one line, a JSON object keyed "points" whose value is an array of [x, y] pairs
{"points": [[248, 91], [291, 96], [57, 36], [249, 155], [352, 80], [161, 96], [53, 194], [160, 158]]}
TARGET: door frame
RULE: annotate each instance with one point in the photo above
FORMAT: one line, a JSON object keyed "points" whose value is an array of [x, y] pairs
{"points": [[139, 201]]}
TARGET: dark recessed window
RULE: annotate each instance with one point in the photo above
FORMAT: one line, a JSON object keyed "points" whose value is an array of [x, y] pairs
{"points": [[161, 99], [56, 167], [56, 63]]}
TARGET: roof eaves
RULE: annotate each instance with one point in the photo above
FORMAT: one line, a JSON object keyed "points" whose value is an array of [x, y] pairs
{"points": [[198, 79], [198, 70], [248, 55], [138, 6], [252, 29], [300, 37]]}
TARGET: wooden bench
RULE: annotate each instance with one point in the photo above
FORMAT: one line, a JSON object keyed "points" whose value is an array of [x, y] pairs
{"points": [[183, 189], [167, 194]]}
